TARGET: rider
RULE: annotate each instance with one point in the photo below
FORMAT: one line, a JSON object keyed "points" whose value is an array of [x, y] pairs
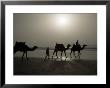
{"points": [[77, 44], [74, 45]]}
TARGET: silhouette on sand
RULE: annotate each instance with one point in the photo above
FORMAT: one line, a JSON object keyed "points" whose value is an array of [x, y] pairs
{"points": [[59, 66], [47, 53], [77, 48], [61, 48], [22, 47]]}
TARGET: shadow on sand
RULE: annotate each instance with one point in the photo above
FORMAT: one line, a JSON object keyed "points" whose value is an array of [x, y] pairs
{"points": [[37, 66]]}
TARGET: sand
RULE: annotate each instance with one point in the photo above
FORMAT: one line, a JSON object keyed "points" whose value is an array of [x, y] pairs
{"points": [[39, 66]]}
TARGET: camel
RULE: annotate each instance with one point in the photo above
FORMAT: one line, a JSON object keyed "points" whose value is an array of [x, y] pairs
{"points": [[22, 47], [77, 48], [61, 48]]}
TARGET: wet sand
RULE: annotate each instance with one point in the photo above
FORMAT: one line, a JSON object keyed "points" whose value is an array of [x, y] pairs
{"points": [[39, 66]]}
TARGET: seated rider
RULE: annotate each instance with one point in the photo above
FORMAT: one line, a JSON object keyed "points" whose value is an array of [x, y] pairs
{"points": [[77, 44]]}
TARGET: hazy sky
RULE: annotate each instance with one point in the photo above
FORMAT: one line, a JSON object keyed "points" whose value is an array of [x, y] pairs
{"points": [[46, 29]]}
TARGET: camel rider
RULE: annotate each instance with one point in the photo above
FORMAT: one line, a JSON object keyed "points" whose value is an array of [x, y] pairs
{"points": [[77, 44], [74, 45]]}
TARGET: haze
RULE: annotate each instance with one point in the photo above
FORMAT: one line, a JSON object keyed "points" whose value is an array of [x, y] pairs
{"points": [[44, 30]]}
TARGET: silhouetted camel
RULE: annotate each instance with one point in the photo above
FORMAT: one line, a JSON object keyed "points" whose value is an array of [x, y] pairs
{"points": [[77, 48], [61, 48], [22, 47]]}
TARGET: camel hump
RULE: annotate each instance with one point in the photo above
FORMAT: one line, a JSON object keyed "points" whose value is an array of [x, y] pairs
{"points": [[20, 42], [20, 45], [59, 44]]}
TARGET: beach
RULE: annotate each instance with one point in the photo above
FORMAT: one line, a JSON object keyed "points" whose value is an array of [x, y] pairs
{"points": [[41, 66]]}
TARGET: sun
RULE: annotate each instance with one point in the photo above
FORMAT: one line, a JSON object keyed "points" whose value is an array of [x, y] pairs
{"points": [[62, 20]]}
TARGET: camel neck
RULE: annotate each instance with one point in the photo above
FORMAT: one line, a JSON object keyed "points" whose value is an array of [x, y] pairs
{"points": [[32, 49], [82, 47], [67, 48]]}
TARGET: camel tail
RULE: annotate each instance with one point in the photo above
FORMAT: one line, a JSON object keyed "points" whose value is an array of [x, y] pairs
{"points": [[14, 51]]}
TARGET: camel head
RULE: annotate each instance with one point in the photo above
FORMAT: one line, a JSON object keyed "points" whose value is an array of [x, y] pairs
{"points": [[83, 46], [68, 46], [35, 47]]}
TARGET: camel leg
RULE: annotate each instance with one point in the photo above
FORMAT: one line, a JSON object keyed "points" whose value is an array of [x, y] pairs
{"points": [[79, 54], [74, 54], [23, 55], [65, 54], [48, 56], [61, 54], [45, 56], [26, 56], [53, 53], [56, 55], [70, 54]]}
